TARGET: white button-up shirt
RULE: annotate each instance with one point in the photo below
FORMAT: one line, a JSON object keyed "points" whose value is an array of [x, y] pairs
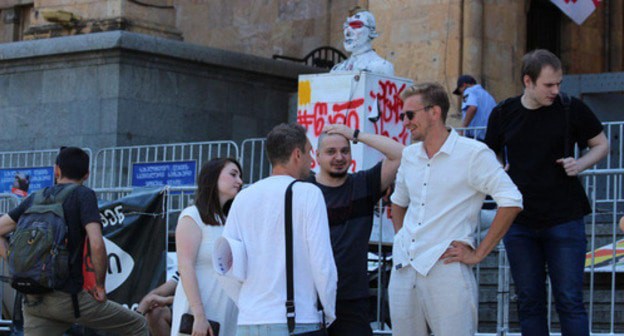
{"points": [[443, 196]]}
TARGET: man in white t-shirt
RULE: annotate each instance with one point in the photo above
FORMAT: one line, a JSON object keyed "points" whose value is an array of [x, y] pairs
{"points": [[256, 219]]}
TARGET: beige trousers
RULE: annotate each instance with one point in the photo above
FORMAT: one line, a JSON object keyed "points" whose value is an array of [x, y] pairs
{"points": [[52, 314], [446, 300]]}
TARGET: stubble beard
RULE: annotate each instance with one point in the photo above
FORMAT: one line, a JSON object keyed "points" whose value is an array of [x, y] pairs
{"points": [[338, 174]]}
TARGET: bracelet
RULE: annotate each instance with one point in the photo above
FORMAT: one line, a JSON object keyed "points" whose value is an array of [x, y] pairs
{"points": [[355, 136]]}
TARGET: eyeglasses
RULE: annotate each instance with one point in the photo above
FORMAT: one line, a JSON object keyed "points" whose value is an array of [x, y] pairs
{"points": [[410, 114]]}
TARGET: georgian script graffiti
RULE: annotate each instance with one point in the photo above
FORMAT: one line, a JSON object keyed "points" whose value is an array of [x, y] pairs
{"points": [[389, 105], [338, 113]]}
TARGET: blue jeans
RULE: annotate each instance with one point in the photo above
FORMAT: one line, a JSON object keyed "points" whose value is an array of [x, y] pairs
{"points": [[562, 249], [280, 329]]}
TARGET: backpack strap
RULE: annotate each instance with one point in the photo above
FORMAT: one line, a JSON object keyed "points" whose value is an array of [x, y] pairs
{"points": [[63, 193], [74, 297], [290, 292], [49, 202], [60, 198], [503, 105]]}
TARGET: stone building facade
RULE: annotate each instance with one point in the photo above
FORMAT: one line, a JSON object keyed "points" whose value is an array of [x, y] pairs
{"points": [[426, 39], [197, 70]]}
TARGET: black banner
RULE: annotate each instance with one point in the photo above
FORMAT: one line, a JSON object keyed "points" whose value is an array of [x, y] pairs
{"points": [[135, 234]]}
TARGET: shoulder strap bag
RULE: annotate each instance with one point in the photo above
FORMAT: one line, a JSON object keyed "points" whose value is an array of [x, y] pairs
{"points": [[290, 293]]}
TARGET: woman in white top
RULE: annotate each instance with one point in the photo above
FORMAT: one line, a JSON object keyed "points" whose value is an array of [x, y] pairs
{"points": [[199, 226]]}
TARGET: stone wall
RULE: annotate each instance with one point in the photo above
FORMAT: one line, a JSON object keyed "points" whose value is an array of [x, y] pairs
{"points": [[426, 39], [119, 88]]}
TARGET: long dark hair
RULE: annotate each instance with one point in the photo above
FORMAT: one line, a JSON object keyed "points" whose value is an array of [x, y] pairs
{"points": [[207, 195]]}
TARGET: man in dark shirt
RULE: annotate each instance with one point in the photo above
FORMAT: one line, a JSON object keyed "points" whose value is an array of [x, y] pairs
{"points": [[534, 134], [351, 200], [53, 313]]}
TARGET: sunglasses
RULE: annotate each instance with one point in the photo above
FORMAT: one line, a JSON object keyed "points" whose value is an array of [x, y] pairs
{"points": [[410, 114]]}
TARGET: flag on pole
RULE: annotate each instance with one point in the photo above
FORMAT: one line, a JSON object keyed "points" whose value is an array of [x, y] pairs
{"points": [[577, 10]]}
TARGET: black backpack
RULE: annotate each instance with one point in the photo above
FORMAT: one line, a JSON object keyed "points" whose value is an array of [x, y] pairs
{"points": [[38, 256]]}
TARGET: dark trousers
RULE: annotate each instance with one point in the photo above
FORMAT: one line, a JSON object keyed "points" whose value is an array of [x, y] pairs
{"points": [[352, 318], [562, 249]]}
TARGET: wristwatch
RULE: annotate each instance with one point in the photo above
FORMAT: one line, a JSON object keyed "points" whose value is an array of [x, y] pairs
{"points": [[355, 136]]}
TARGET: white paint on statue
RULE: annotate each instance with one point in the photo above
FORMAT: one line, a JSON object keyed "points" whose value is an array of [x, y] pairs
{"points": [[359, 31]]}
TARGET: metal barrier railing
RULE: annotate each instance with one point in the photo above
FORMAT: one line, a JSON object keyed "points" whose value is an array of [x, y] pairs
{"points": [[112, 167], [33, 159], [608, 207], [8, 202], [111, 179], [254, 161], [604, 307]]}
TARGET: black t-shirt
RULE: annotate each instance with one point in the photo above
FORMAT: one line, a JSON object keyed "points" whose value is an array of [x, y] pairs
{"points": [[531, 141], [80, 208], [350, 208]]}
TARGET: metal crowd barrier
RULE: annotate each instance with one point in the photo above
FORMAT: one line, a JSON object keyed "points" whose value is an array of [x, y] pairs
{"points": [[254, 161], [111, 179], [112, 167], [33, 159]]}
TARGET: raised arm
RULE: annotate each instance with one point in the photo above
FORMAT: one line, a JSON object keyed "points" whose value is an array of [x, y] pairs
{"points": [[391, 149]]}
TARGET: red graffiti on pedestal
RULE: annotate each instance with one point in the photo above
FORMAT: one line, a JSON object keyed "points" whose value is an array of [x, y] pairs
{"points": [[389, 105], [341, 113]]}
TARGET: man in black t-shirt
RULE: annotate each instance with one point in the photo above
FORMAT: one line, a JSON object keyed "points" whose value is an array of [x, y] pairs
{"points": [[534, 135], [351, 200], [53, 313]]}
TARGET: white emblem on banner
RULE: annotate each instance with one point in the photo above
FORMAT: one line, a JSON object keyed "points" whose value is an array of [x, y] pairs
{"points": [[577, 10], [120, 265]]}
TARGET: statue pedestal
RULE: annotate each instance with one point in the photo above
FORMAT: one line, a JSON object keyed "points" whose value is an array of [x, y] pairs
{"points": [[77, 17], [363, 100]]}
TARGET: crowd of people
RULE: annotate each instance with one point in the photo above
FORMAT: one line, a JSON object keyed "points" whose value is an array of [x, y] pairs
{"points": [[523, 161], [440, 182]]}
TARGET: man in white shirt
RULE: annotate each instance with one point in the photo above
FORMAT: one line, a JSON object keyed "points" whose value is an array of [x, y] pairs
{"points": [[435, 213], [257, 220]]}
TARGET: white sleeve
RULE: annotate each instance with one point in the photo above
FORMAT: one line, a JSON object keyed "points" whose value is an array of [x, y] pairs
{"points": [[231, 286], [400, 196], [488, 176], [320, 251]]}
